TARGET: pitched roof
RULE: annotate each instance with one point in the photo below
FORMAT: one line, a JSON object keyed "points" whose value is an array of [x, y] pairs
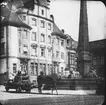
{"points": [[58, 32], [42, 2], [98, 44], [11, 18]]}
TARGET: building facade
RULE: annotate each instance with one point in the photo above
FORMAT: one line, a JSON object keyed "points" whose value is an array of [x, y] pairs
{"points": [[42, 48], [59, 50], [97, 49], [28, 50], [39, 40], [71, 49]]}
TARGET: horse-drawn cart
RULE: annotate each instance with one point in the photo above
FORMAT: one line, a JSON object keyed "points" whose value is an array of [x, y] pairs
{"points": [[19, 83]]}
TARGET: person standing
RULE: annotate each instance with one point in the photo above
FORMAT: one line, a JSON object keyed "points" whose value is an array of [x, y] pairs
{"points": [[40, 80]]}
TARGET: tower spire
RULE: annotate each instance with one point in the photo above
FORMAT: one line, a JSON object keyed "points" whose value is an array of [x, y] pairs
{"points": [[83, 41]]}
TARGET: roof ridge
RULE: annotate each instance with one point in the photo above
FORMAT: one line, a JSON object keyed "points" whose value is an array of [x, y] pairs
{"points": [[56, 29]]}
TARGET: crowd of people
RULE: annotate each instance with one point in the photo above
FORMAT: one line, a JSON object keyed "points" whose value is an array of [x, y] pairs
{"points": [[74, 74]]}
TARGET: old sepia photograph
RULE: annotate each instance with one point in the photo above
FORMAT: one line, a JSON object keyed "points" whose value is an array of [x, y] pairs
{"points": [[52, 52]]}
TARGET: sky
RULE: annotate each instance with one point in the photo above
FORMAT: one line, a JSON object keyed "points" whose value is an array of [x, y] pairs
{"points": [[66, 16]]}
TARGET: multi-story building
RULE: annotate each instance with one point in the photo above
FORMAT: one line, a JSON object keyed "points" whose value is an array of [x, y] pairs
{"points": [[71, 54], [59, 50], [42, 48], [39, 50], [97, 49], [29, 50]]}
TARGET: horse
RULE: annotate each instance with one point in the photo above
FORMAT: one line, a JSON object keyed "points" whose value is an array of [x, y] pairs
{"points": [[48, 82]]}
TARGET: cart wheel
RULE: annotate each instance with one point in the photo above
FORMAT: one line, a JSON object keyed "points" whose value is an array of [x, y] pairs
{"points": [[7, 89], [18, 89]]}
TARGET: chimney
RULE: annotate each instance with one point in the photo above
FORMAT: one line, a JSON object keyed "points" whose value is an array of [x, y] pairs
{"points": [[63, 30], [52, 17]]}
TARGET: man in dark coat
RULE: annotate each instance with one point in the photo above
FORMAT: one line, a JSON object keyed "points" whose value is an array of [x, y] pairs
{"points": [[40, 80]]}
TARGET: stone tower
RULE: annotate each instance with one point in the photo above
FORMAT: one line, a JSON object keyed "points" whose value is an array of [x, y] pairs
{"points": [[83, 41]]}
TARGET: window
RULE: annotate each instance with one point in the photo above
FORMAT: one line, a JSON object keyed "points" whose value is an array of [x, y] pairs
{"points": [[42, 39], [24, 66], [72, 44], [49, 53], [42, 11], [102, 60], [49, 39], [32, 68], [94, 61], [57, 41], [42, 24], [24, 18], [62, 42], [61, 70], [14, 67], [1, 32], [62, 55], [33, 36], [25, 49], [25, 35], [33, 50], [2, 48], [72, 59], [68, 42], [49, 26], [49, 69], [43, 67], [19, 31], [34, 22], [42, 52], [57, 54]]}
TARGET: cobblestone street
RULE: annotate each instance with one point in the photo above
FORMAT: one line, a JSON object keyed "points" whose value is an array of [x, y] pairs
{"points": [[64, 98]]}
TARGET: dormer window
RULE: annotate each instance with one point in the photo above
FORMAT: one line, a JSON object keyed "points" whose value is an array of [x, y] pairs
{"points": [[68, 42], [62, 42], [24, 18]]}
